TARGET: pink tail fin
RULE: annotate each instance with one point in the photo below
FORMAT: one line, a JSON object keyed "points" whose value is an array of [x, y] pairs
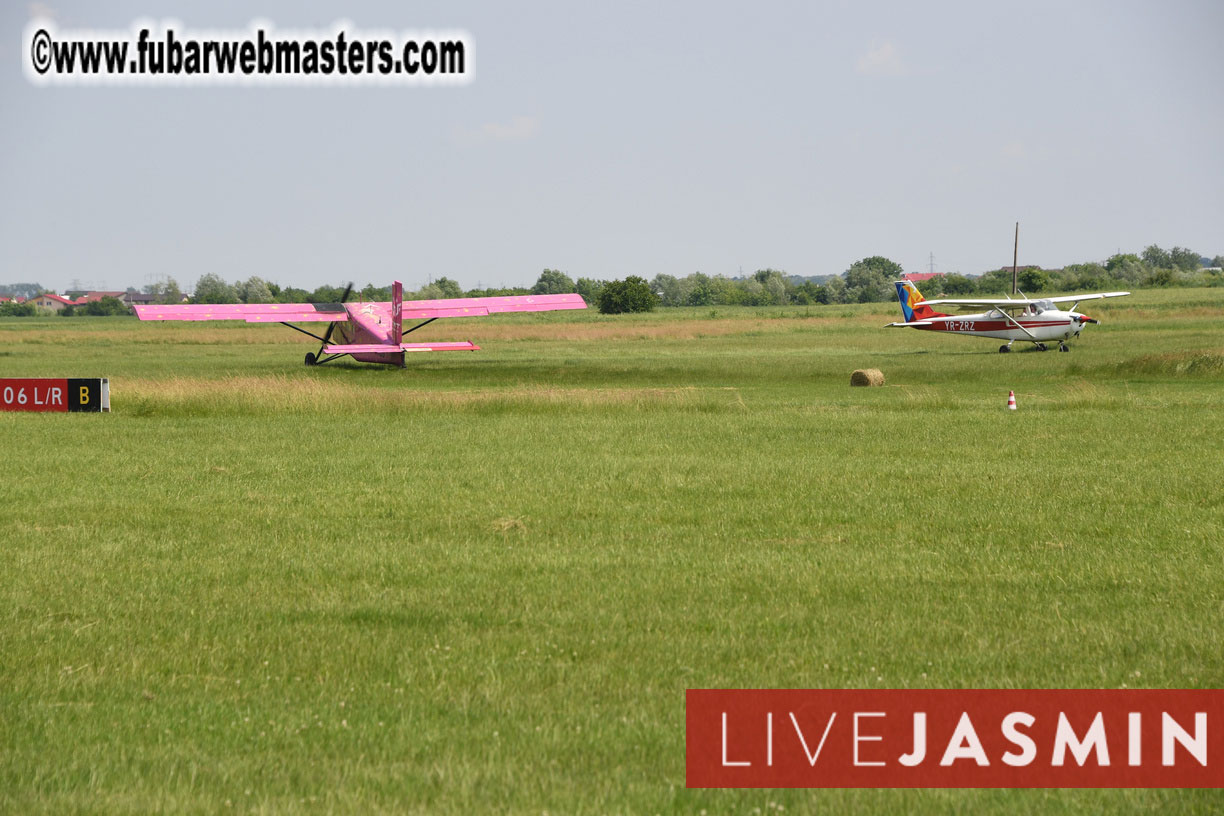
{"points": [[397, 313]]}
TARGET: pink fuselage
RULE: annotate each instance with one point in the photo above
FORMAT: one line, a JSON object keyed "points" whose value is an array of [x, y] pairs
{"points": [[369, 323]]}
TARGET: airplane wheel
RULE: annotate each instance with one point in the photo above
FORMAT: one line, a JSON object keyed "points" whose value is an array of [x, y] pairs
{"points": [[1063, 347], [310, 358], [1041, 346], [1004, 349]]}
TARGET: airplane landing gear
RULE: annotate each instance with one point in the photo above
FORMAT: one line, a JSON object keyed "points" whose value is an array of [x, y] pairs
{"points": [[1041, 346], [310, 358], [1004, 349], [1063, 347]]}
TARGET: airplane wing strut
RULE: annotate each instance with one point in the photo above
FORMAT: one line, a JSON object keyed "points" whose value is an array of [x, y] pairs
{"points": [[1013, 320]]}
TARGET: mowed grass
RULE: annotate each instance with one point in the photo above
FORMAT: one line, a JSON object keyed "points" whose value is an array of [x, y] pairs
{"points": [[482, 584]]}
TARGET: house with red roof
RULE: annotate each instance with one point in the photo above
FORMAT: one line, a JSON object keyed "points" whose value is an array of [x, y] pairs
{"points": [[94, 297], [51, 301], [128, 298]]}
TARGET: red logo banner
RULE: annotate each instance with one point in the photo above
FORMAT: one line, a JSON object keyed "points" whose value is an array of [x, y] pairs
{"points": [[954, 738]]}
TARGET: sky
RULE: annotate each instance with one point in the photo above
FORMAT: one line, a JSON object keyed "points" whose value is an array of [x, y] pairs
{"points": [[615, 139]]}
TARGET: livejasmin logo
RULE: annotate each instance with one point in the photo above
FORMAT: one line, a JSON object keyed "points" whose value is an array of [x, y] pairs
{"points": [[965, 743], [954, 738]]}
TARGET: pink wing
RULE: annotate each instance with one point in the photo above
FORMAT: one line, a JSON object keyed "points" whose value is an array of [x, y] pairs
{"points": [[333, 312], [413, 313], [461, 307], [250, 312]]}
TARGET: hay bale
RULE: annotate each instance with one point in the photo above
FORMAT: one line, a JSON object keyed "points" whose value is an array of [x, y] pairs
{"points": [[867, 376]]}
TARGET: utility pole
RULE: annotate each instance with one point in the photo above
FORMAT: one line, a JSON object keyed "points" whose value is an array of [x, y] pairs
{"points": [[931, 268], [1015, 255]]}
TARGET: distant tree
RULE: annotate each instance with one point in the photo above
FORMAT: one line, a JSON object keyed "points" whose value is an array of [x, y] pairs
{"points": [[834, 290], [1218, 262], [870, 280], [11, 308], [1084, 276], [1033, 279], [701, 292], [1161, 277], [1120, 259], [633, 294], [670, 289], [1184, 259], [293, 295], [371, 293], [1128, 268], [166, 291], [663, 282], [751, 292], [502, 291], [211, 288], [326, 294], [104, 307], [776, 287], [809, 292], [553, 282], [1157, 258], [448, 288], [589, 289], [995, 282], [253, 290], [170, 292], [428, 292], [956, 284], [684, 290], [726, 292], [22, 290]]}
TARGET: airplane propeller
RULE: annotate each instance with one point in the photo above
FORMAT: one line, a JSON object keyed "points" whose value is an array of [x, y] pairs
{"points": [[348, 290], [315, 359]]}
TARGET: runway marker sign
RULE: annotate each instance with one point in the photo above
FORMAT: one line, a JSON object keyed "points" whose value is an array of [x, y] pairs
{"points": [[70, 394]]}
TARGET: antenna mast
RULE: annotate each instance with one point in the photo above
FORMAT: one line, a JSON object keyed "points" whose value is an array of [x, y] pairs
{"points": [[1015, 255]]}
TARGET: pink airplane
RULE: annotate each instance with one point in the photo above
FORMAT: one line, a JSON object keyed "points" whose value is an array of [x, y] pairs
{"points": [[369, 332]]}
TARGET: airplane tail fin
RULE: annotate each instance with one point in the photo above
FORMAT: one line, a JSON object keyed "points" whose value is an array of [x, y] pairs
{"points": [[397, 313], [913, 304]]}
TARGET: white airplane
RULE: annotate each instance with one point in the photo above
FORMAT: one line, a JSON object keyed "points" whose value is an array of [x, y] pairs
{"points": [[1033, 319]]}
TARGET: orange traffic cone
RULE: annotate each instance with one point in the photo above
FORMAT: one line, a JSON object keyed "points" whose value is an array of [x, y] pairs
{"points": [[1011, 400]]}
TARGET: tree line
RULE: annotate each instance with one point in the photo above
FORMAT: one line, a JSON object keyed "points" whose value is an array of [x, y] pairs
{"points": [[868, 280]]}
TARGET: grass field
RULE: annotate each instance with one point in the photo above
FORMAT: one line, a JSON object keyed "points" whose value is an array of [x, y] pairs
{"points": [[482, 584]]}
